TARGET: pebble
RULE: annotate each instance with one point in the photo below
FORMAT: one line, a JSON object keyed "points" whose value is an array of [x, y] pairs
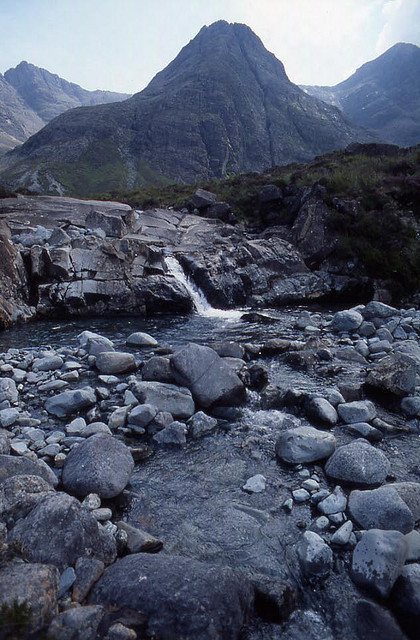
{"points": [[91, 502], [101, 514]]}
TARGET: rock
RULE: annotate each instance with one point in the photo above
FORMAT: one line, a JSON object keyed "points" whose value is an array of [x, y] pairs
{"points": [[68, 402], [113, 225], [33, 585], [358, 411], [364, 430], [8, 390], [304, 444], [115, 362], [86, 337], [413, 541], [20, 494], [410, 493], [80, 623], [179, 597], [256, 484], [118, 631], [202, 199], [166, 397], [358, 463], [348, 320], [8, 417], [12, 466], [374, 622], [378, 310], [410, 407], [94, 427], [173, 434], [58, 531], [88, 571], [406, 591], [378, 560], [395, 373], [48, 363], [301, 495], [315, 556], [210, 379], [334, 503], [140, 339], [343, 535], [380, 508], [200, 425], [142, 415], [320, 411], [101, 464], [158, 369], [67, 579], [139, 540]]}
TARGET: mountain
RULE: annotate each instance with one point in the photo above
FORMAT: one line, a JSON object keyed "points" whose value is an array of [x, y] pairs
{"points": [[224, 105], [382, 95], [49, 95], [17, 120]]}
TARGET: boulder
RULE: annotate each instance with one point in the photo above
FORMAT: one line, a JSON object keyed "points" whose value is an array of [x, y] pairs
{"points": [[202, 199], [380, 508], [8, 390], [406, 592], [320, 411], [86, 338], [315, 556], [58, 531], [20, 494], [357, 411], [48, 363], [142, 415], [179, 597], [376, 309], [374, 622], [80, 623], [113, 225], [358, 463], [115, 362], [200, 425], [13, 466], [69, 402], [210, 379], [140, 339], [101, 464], [410, 493], [349, 320], [378, 560], [158, 369], [304, 444], [166, 397], [395, 373], [334, 503], [173, 434]]}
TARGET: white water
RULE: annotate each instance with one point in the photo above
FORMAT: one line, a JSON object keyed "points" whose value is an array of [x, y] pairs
{"points": [[201, 304]]}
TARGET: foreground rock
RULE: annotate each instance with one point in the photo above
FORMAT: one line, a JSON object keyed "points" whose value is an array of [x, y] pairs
{"points": [[179, 597], [304, 444], [69, 402], [381, 508], [358, 463], [101, 464]]}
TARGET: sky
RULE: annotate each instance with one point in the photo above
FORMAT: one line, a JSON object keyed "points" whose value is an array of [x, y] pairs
{"points": [[119, 45]]}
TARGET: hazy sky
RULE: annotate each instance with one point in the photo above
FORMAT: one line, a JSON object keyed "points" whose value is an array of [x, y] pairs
{"points": [[121, 44]]}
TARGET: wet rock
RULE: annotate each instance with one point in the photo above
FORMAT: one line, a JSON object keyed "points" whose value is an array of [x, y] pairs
{"points": [[358, 411], [304, 444], [79, 623], [406, 592], [69, 402], [180, 597], [374, 622], [349, 320], [115, 362], [210, 379], [315, 556], [88, 340], [334, 503], [173, 434], [12, 466], [158, 369], [58, 531], [380, 508], [140, 339], [395, 373], [358, 463], [320, 411], [20, 494], [139, 540], [166, 397], [101, 464], [378, 560], [200, 425], [33, 585]]}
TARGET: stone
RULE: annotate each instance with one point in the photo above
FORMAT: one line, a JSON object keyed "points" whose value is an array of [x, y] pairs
{"points": [[357, 411], [406, 591], [395, 373], [85, 337], [334, 503], [380, 508], [67, 579], [200, 425], [79, 623], [256, 484], [115, 362], [69, 402], [376, 309], [12, 466], [8, 417], [48, 363], [409, 406], [315, 556], [364, 430], [173, 434], [8, 390], [348, 320], [118, 631], [342, 536], [142, 415], [139, 541], [113, 225], [158, 368], [88, 571], [101, 464], [94, 427], [33, 585], [410, 493], [140, 339], [58, 531], [210, 379], [374, 622], [378, 560], [166, 397], [320, 411], [20, 494], [358, 463], [413, 541], [300, 495], [304, 444], [203, 198], [179, 597]]}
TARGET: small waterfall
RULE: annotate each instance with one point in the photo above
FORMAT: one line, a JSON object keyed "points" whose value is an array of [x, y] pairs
{"points": [[201, 304]]}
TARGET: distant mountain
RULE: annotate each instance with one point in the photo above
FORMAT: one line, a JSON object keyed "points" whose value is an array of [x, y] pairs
{"points": [[382, 95], [49, 95], [224, 105], [17, 120]]}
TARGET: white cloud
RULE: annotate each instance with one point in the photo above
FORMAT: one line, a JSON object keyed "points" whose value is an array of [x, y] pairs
{"points": [[401, 24]]}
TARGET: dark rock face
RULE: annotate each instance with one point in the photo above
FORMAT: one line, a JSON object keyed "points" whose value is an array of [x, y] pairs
{"points": [[14, 289], [180, 597], [239, 112]]}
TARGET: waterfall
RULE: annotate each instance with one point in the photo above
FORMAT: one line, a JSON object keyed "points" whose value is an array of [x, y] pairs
{"points": [[200, 302]]}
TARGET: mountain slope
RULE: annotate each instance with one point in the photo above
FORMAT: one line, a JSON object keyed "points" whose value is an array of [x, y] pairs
{"points": [[383, 95], [224, 105], [49, 95], [17, 120]]}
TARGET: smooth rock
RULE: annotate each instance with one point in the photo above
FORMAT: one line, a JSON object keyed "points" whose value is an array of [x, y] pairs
{"points": [[8, 390], [334, 503], [142, 415], [348, 320], [140, 339], [358, 411], [304, 444], [166, 397], [48, 363], [8, 417], [320, 411], [88, 571], [358, 463], [256, 484], [315, 556], [139, 541], [68, 402], [342, 536], [380, 508], [12, 466], [115, 362]]}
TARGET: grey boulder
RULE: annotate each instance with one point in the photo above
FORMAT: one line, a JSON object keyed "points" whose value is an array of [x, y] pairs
{"points": [[69, 402], [115, 362], [320, 411], [395, 373], [8, 390], [357, 411], [101, 464], [166, 397], [200, 425], [348, 320], [14, 466], [140, 339], [20, 494], [315, 556], [406, 592], [358, 463], [380, 508], [304, 444], [80, 623]]}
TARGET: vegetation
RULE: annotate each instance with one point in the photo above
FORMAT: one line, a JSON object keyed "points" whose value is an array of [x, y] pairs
{"points": [[14, 621]]}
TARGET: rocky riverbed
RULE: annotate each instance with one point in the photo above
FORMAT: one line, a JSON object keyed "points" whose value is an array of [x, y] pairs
{"points": [[254, 490]]}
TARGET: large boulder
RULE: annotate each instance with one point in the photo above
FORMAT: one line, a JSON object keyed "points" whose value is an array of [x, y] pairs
{"points": [[395, 373], [380, 508], [210, 379], [166, 397], [358, 463], [58, 531], [378, 560], [79, 623], [101, 464], [69, 402], [304, 444], [180, 597]]}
